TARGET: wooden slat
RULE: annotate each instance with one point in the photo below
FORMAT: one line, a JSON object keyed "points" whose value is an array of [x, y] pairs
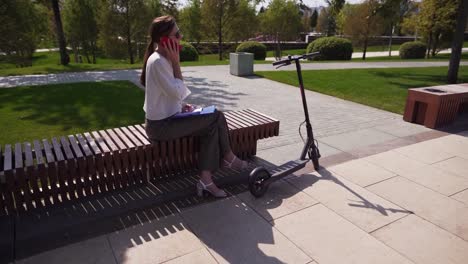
{"points": [[116, 160], [150, 160], [72, 177], [30, 178], [140, 163], [107, 164], [123, 155], [9, 179], [83, 179], [21, 190], [62, 171], [41, 171], [52, 170], [91, 168], [130, 148], [2, 187]]}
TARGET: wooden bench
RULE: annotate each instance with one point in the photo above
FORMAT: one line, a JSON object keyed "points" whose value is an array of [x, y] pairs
{"points": [[46, 173], [436, 106]]}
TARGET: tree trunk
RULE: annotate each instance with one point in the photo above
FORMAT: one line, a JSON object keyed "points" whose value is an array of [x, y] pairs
{"points": [[365, 48], [64, 59], [457, 42], [429, 43], [220, 31], [93, 51], [390, 41], [129, 40], [435, 44]]}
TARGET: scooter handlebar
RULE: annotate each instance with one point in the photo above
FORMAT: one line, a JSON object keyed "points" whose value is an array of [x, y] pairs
{"points": [[291, 58]]}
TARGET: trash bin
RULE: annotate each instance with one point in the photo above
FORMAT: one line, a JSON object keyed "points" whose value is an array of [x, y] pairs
{"points": [[241, 63]]}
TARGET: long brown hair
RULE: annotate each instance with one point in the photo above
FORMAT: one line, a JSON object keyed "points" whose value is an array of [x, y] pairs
{"points": [[161, 26]]}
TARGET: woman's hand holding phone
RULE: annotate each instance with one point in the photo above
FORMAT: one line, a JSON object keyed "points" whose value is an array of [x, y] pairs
{"points": [[173, 49]]}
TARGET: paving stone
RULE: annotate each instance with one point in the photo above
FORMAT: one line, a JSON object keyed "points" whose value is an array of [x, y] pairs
{"points": [[201, 256], [440, 210], [92, 251], [361, 172], [394, 162], [437, 179], [455, 165], [424, 152], [454, 144], [423, 242], [281, 199], [402, 129], [352, 140], [154, 242], [355, 203], [461, 196], [234, 233], [329, 238]]}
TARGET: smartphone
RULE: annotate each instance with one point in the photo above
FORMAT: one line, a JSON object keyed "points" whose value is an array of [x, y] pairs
{"points": [[165, 42]]}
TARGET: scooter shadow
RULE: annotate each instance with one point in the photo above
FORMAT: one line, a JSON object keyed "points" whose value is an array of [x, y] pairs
{"points": [[296, 184]]}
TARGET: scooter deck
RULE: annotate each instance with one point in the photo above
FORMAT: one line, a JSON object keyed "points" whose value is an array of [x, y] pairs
{"points": [[287, 168]]}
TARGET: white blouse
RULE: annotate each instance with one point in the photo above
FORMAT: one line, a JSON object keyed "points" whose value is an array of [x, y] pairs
{"points": [[163, 93]]}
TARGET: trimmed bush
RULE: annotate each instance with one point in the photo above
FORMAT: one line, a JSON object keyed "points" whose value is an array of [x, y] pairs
{"points": [[257, 48], [413, 50], [331, 48], [188, 53]]}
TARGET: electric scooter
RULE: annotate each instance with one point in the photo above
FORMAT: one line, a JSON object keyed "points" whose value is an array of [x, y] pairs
{"points": [[260, 178]]}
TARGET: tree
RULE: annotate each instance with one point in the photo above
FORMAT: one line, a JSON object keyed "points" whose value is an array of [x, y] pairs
{"points": [[457, 43], [362, 21], [436, 22], [64, 58], [313, 19], [22, 23], [244, 22], [282, 20], [322, 21], [123, 23], [79, 19], [190, 21], [169, 7], [218, 17], [335, 7]]}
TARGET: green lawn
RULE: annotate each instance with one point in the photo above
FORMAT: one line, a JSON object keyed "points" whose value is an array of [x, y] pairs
{"points": [[48, 62], [38, 112], [380, 88]]}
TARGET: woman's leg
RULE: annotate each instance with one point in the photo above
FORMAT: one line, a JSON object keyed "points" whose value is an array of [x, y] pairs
{"points": [[213, 145]]}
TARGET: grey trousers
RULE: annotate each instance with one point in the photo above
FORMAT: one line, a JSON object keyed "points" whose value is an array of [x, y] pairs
{"points": [[211, 129]]}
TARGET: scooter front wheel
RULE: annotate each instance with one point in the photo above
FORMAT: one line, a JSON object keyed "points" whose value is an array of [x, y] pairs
{"points": [[257, 179]]}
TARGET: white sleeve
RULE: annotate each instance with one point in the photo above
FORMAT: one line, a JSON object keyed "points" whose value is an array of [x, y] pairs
{"points": [[170, 85]]}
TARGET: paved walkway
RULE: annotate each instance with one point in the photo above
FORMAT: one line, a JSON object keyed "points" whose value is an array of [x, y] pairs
{"points": [[355, 212], [406, 205], [381, 54], [133, 75]]}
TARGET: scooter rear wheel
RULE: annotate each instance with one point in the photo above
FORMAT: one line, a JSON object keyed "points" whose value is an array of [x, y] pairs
{"points": [[257, 178]]}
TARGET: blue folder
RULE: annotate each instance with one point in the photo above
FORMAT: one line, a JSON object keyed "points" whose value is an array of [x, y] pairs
{"points": [[199, 111]]}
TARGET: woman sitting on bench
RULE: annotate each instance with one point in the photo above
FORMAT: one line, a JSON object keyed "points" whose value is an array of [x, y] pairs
{"points": [[165, 91]]}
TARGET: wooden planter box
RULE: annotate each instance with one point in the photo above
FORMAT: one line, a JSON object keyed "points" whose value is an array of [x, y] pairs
{"points": [[436, 106]]}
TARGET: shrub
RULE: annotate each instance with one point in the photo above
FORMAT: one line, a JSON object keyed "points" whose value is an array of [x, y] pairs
{"points": [[413, 50], [331, 48], [257, 48], [188, 53]]}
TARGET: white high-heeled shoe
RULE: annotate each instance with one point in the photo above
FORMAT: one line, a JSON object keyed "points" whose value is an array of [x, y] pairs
{"points": [[201, 187], [243, 164]]}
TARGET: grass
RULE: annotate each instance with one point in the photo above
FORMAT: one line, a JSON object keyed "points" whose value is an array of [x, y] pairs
{"points": [[380, 88], [45, 111], [48, 62]]}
